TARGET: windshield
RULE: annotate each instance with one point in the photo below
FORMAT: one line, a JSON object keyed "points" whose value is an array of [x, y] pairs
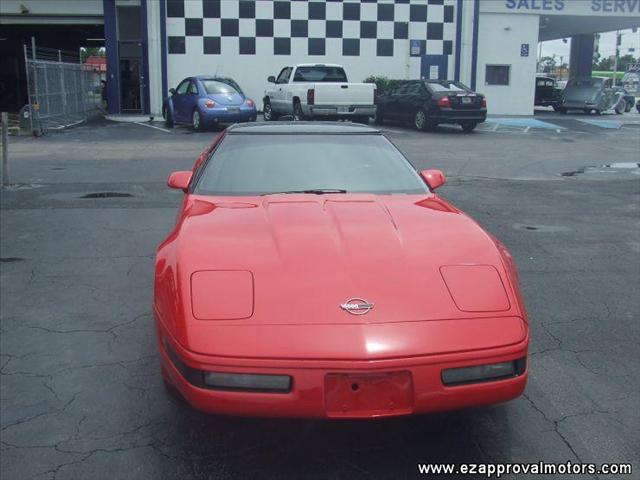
{"points": [[580, 91], [260, 164], [213, 87], [585, 82], [320, 74], [446, 86]]}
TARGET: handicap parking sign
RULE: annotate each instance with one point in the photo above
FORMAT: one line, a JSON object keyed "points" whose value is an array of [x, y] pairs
{"points": [[524, 50]]}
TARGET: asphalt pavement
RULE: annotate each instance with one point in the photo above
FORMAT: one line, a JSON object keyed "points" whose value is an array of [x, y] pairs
{"points": [[80, 386]]}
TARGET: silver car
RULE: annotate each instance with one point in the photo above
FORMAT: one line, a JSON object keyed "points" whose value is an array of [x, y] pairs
{"points": [[589, 94]]}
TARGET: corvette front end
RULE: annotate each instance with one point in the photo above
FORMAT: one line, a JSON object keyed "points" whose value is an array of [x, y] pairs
{"points": [[345, 388], [324, 304]]}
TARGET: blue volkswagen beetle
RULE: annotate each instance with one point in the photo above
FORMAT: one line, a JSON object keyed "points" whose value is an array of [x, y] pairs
{"points": [[206, 101]]}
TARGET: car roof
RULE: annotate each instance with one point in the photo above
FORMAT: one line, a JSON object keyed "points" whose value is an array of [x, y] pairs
{"points": [[210, 77], [301, 128]]}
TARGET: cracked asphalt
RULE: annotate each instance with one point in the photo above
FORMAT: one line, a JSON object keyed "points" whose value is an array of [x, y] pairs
{"points": [[80, 385]]}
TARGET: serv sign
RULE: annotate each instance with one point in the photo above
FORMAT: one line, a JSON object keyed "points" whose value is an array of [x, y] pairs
{"points": [[564, 7]]}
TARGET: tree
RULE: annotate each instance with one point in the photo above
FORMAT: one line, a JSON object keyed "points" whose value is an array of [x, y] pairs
{"points": [[626, 60], [547, 64], [605, 64], [86, 52]]}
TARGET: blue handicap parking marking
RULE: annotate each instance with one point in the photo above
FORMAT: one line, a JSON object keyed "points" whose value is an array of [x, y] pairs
{"points": [[524, 123], [603, 123]]}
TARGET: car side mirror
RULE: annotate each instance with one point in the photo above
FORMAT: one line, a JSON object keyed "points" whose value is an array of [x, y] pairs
{"points": [[180, 180], [172, 91], [433, 178], [271, 79]]}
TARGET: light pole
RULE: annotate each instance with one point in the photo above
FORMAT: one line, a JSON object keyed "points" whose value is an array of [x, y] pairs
{"points": [[615, 61]]}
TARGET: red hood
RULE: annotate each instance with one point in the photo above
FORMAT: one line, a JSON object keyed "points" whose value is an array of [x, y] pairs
{"points": [[309, 254]]}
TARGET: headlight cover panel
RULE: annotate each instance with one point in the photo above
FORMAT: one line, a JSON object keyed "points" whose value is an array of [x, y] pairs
{"points": [[222, 294]]}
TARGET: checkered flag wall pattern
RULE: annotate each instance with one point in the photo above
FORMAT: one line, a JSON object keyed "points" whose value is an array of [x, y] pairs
{"points": [[245, 27]]}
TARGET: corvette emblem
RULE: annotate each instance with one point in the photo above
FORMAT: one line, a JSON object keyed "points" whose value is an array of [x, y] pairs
{"points": [[357, 306]]}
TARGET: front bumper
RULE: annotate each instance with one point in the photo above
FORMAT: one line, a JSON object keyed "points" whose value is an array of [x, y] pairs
{"points": [[212, 116], [339, 110], [308, 397]]}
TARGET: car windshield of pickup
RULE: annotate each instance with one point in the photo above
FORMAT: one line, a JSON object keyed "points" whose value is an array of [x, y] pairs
{"points": [[320, 73], [248, 165]]}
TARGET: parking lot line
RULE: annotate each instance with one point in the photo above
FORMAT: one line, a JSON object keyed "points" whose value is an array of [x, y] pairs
{"points": [[523, 122], [603, 123], [153, 126]]}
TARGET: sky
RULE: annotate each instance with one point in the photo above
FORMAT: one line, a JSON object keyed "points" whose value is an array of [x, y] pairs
{"points": [[607, 45]]}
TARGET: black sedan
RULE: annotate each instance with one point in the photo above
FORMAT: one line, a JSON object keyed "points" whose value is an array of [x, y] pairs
{"points": [[428, 103]]}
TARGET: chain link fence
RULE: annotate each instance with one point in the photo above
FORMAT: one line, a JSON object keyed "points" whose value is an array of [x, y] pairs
{"points": [[61, 92]]}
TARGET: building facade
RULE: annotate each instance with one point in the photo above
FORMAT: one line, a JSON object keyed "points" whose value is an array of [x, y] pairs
{"points": [[490, 45], [249, 40]]}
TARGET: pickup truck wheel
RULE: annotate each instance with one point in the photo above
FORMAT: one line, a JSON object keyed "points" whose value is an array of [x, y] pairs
{"points": [[268, 113], [298, 114], [420, 120], [378, 119]]}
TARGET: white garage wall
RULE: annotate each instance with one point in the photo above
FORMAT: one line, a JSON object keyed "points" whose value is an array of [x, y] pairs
{"points": [[251, 70], [499, 40]]}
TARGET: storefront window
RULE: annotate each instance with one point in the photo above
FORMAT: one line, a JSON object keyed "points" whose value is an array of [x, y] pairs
{"points": [[497, 74]]}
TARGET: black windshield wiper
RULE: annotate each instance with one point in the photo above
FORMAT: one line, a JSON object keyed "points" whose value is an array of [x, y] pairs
{"points": [[315, 191]]}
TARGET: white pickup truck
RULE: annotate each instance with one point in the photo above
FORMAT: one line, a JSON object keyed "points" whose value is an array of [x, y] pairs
{"points": [[309, 91]]}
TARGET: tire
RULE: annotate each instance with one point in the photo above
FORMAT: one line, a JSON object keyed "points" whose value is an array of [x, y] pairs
{"points": [[628, 107], [268, 113], [469, 127], [363, 119], [168, 120], [556, 108], [298, 114], [196, 120], [420, 121], [378, 119], [619, 110]]}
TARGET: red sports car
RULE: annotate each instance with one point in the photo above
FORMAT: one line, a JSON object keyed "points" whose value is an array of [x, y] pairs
{"points": [[313, 273]]}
